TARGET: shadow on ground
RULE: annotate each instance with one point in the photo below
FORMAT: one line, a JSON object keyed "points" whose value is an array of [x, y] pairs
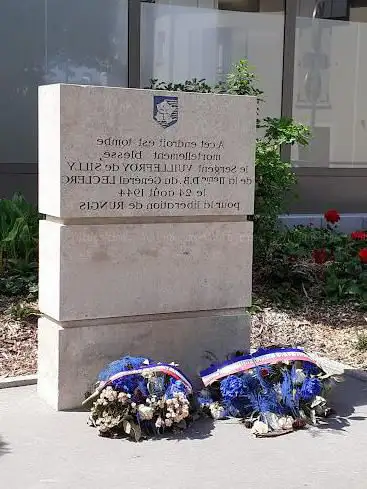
{"points": [[4, 447], [347, 399], [199, 430]]}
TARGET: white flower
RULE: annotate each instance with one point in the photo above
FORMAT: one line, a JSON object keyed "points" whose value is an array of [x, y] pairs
{"points": [[168, 422], [159, 422], [285, 422], [122, 397], [133, 404], [259, 428], [110, 394], [217, 411], [145, 412]]}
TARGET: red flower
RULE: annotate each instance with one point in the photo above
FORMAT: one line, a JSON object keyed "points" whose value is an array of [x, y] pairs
{"points": [[359, 235], [264, 372], [363, 255], [332, 216], [320, 256]]}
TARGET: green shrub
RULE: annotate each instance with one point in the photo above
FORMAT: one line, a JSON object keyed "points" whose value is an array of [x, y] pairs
{"points": [[274, 177], [21, 311], [18, 246], [18, 231], [193, 85], [307, 262], [23, 283]]}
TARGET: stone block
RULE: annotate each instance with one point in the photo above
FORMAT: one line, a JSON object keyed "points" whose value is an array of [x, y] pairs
{"points": [[119, 152], [103, 271], [70, 358], [146, 248]]}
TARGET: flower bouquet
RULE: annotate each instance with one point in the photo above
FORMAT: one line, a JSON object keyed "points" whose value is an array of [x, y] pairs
{"points": [[275, 390], [138, 398]]}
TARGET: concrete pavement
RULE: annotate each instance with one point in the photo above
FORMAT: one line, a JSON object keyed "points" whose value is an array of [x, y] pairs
{"points": [[41, 448]]}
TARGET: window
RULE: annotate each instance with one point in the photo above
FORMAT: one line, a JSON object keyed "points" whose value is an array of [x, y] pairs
{"points": [[324, 9], [333, 9]]}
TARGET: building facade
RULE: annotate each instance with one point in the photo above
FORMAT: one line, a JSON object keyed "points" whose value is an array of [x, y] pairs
{"points": [[308, 55]]}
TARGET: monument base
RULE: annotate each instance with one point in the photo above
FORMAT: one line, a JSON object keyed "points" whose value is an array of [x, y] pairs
{"points": [[70, 355]]}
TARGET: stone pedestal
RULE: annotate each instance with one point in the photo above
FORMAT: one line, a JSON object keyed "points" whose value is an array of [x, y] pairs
{"points": [[77, 353], [146, 248]]}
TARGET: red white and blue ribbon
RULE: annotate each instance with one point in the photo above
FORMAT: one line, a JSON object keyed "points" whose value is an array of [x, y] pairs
{"points": [[164, 368], [248, 362]]}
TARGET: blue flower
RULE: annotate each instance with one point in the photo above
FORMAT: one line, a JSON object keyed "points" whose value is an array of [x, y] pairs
{"points": [[121, 365], [287, 393], [174, 387], [239, 407], [232, 387], [311, 387], [310, 368], [127, 384], [250, 382], [265, 403]]}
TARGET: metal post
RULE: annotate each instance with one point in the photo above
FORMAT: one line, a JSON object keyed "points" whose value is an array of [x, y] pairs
{"points": [[134, 43], [290, 16]]}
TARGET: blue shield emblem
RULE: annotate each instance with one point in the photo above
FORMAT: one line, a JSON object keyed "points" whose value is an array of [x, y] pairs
{"points": [[165, 110]]}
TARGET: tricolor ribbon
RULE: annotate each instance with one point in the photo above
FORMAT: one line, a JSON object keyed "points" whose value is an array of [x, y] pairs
{"points": [[164, 368], [248, 362]]}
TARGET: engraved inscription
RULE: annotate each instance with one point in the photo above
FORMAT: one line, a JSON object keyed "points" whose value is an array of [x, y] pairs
{"points": [[158, 174]]}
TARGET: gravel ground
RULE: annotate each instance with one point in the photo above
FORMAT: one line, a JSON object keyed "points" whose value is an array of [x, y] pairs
{"points": [[331, 331], [18, 338]]}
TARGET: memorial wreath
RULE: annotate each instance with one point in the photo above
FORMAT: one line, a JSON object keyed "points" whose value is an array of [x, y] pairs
{"points": [[139, 398], [274, 390]]}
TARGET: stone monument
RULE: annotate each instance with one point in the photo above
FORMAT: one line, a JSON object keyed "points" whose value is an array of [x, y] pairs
{"points": [[146, 248]]}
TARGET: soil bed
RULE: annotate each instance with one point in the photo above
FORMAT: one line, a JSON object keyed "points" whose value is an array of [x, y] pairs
{"points": [[331, 330]]}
